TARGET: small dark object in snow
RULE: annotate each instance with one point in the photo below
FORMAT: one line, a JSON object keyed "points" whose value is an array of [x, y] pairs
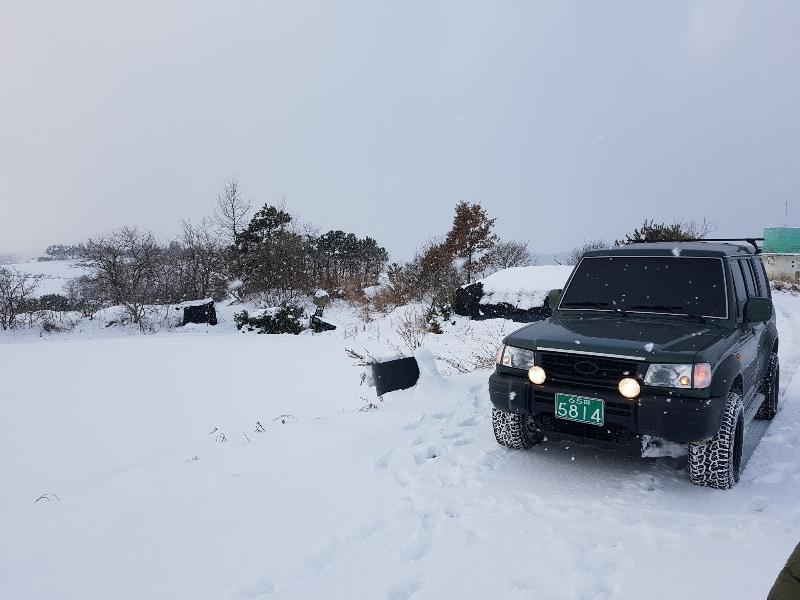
{"points": [[202, 313], [318, 324], [467, 303], [392, 375], [283, 418]]}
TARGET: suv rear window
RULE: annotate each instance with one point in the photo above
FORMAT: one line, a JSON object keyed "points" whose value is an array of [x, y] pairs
{"points": [[658, 284]]}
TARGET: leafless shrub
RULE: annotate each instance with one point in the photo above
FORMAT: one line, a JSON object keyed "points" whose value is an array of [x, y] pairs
{"points": [[411, 329], [576, 254], [506, 254], [369, 404], [478, 351], [363, 359], [782, 277], [17, 291]]}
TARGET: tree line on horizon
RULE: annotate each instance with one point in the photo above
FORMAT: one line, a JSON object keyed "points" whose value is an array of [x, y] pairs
{"points": [[271, 258]]}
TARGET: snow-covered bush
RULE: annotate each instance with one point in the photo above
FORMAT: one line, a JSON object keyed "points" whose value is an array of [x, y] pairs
{"points": [[282, 319], [438, 314]]}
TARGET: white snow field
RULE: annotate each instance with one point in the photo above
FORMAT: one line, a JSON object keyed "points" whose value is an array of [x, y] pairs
{"points": [[55, 273], [121, 439]]}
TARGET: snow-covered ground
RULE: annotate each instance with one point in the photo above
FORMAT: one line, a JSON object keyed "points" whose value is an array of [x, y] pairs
{"points": [[156, 480], [55, 274]]}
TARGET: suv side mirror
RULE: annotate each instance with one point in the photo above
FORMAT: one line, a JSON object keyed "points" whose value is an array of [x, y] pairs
{"points": [[758, 310], [553, 297]]}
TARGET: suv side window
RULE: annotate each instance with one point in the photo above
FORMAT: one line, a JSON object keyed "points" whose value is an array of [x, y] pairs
{"points": [[753, 285], [738, 286], [748, 279], [761, 277]]}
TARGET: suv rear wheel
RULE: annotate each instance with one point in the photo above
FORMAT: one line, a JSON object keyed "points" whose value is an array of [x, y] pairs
{"points": [[717, 462], [770, 389], [515, 430]]}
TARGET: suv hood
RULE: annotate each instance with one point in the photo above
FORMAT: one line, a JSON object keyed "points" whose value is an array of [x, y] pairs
{"points": [[653, 338]]}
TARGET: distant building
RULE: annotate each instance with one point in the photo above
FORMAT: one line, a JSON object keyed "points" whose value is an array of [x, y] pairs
{"points": [[782, 252]]}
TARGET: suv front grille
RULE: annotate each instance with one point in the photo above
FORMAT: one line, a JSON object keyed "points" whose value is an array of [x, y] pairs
{"points": [[585, 370]]}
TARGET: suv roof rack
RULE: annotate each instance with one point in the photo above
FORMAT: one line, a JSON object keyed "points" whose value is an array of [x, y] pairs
{"points": [[750, 240]]}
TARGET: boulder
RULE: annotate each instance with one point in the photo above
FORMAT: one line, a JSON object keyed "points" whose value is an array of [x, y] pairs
{"points": [[199, 311]]}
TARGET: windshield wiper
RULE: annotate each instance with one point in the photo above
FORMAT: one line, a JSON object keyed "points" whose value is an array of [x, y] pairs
{"points": [[675, 310], [595, 305]]}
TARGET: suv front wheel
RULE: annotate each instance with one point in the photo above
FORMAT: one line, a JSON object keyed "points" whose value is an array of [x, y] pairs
{"points": [[717, 462], [515, 430]]}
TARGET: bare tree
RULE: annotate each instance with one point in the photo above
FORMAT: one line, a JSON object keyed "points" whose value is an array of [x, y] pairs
{"points": [[505, 255], [231, 217], [16, 294], [233, 211], [83, 295], [193, 265], [697, 229], [576, 254], [123, 269]]}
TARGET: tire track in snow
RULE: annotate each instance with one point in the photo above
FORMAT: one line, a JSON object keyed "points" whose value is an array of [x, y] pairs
{"points": [[456, 490]]}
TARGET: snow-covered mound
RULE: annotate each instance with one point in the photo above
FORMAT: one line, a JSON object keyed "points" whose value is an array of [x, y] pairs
{"points": [[523, 288]]}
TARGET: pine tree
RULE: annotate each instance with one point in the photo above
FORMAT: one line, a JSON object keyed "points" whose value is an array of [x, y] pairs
{"points": [[650, 231], [470, 237]]}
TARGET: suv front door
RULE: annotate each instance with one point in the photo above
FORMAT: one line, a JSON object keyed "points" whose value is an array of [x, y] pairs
{"points": [[753, 334]]}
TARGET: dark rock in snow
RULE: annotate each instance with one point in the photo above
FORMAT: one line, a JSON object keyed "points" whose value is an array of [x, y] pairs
{"points": [[199, 311]]}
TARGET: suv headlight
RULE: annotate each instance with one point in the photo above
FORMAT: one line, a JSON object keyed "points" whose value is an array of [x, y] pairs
{"points": [[686, 376], [517, 358]]}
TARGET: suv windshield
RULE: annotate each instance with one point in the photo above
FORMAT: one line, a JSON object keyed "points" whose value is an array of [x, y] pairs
{"points": [[659, 284]]}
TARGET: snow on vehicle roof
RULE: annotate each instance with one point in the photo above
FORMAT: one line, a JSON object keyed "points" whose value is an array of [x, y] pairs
{"points": [[523, 287]]}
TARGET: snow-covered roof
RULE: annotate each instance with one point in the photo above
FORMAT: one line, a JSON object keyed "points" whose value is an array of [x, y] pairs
{"points": [[523, 287]]}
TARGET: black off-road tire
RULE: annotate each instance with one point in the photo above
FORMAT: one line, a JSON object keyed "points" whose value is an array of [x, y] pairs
{"points": [[771, 390], [515, 430], [717, 463]]}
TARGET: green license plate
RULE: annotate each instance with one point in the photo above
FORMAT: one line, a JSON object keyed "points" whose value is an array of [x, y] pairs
{"points": [[580, 409]]}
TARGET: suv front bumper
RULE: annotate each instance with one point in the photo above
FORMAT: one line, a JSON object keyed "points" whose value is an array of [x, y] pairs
{"points": [[670, 417]]}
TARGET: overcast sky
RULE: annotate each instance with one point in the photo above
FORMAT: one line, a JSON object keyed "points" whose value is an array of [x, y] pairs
{"points": [[566, 120]]}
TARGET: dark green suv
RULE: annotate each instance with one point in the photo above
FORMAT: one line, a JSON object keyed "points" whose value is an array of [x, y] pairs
{"points": [[649, 345]]}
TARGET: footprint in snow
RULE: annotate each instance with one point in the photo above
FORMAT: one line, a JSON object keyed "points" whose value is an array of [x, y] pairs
{"points": [[416, 424], [431, 453], [403, 591], [383, 462], [416, 549]]}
